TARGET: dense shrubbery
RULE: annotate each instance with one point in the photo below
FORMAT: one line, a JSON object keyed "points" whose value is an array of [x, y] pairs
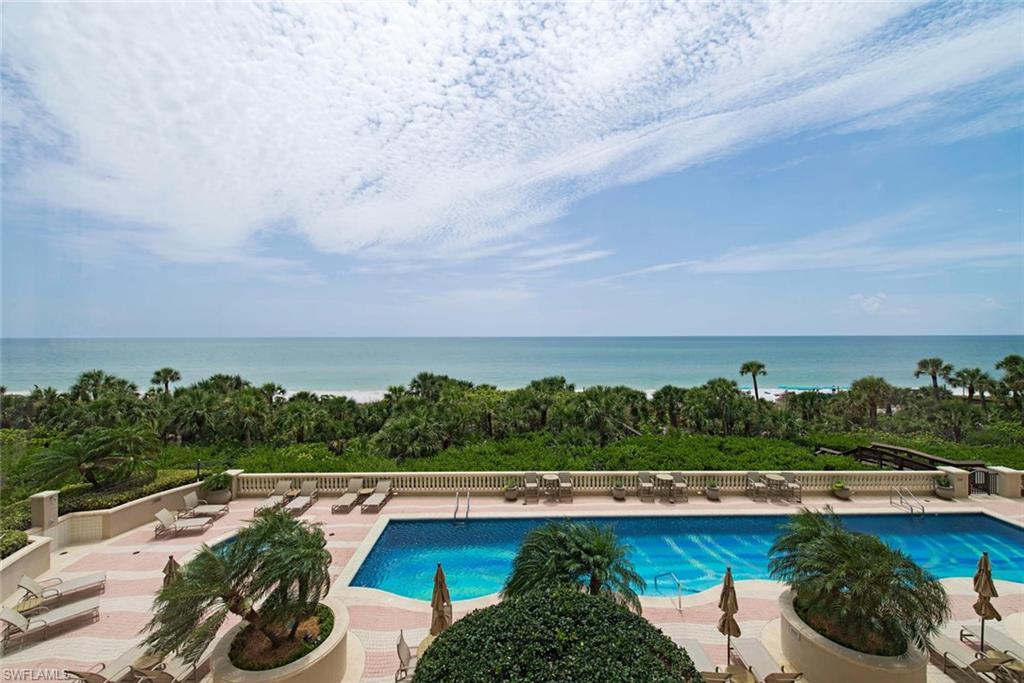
{"points": [[561, 635], [11, 541]]}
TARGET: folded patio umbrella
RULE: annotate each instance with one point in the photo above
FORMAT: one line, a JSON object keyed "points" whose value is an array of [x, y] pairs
{"points": [[171, 571], [727, 625], [985, 587], [440, 604]]}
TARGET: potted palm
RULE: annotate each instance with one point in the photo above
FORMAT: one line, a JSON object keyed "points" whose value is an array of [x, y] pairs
{"points": [[857, 610], [511, 490], [711, 489], [619, 489], [217, 488], [840, 490], [944, 488]]}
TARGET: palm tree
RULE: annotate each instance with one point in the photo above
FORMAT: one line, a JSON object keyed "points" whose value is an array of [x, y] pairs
{"points": [[934, 368], [873, 392], [1013, 380], [956, 417], [102, 456], [986, 385], [854, 588], [88, 385], [668, 404], [753, 368], [165, 376], [272, 576], [968, 378], [588, 557]]}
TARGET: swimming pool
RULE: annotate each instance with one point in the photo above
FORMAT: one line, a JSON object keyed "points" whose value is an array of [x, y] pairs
{"points": [[477, 555]]}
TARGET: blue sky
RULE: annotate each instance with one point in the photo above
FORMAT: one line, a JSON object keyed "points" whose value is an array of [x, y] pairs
{"points": [[321, 170]]}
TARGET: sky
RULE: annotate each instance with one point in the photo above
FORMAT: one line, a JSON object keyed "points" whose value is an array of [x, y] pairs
{"points": [[387, 169]]}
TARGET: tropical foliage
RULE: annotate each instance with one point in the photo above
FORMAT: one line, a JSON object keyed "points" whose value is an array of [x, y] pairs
{"points": [[553, 636], [586, 557], [272, 575], [855, 589]]}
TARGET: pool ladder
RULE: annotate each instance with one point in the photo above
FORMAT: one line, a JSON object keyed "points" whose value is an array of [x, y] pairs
{"points": [[679, 587], [902, 498], [455, 515]]}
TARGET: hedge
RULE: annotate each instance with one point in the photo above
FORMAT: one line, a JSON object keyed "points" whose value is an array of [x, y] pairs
{"points": [[12, 541], [558, 635]]}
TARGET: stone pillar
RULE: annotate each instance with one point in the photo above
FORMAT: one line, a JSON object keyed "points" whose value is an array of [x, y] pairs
{"points": [[45, 509], [234, 482], [1008, 481], [961, 480]]}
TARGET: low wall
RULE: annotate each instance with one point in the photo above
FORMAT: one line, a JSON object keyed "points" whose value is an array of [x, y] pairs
{"points": [[864, 481], [326, 664], [33, 560], [820, 659]]}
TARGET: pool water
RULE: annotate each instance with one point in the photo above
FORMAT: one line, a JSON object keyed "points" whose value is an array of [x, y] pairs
{"points": [[477, 555]]}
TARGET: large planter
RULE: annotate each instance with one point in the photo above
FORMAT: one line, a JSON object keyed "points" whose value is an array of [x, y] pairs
{"points": [[221, 497], [326, 664], [944, 492], [512, 494], [820, 659], [843, 493], [713, 493]]}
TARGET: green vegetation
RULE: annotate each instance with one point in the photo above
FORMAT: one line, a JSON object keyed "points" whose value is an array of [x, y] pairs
{"points": [[217, 482], [855, 589], [549, 636], [272, 576], [586, 557], [12, 541]]}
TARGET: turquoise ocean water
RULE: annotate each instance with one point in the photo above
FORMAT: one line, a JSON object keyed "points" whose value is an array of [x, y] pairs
{"points": [[369, 365]]}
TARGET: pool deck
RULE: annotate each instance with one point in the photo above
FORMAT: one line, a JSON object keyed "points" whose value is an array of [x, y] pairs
{"points": [[134, 560]]}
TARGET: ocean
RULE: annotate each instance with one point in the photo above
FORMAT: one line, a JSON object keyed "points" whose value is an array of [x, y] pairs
{"points": [[363, 368]]}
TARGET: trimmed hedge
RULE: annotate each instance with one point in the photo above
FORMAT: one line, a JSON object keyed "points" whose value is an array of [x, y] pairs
{"points": [[11, 542], [548, 636]]}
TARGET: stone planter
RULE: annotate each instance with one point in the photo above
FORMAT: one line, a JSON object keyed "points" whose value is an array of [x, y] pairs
{"points": [[944, 492], [326, 664], [512, 494], [216, 497], [843, 493], [713, 493], [820, 659], [619, 492]]}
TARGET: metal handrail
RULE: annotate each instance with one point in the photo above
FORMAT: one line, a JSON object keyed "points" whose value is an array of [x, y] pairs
{"points": [[455, 515], [467, 505], [679, 587], [905, 500]]}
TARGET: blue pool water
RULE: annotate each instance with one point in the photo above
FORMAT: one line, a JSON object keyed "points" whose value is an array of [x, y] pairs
{"points": [[477, 555]]}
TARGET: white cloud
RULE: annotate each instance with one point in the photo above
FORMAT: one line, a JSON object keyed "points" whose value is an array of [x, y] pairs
{"points": [[403, 132], [869, 304]]}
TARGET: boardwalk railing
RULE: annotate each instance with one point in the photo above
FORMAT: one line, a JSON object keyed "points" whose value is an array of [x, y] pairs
{"points": [[447, 483]]}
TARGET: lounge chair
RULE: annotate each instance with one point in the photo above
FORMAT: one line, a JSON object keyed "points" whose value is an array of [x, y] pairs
{"points": [[708, 671], [756, 486], [645, 485], [531, 486], [971, 663], [406, 660], [171, 670], [348, 499], [679, 487], [94, 674], [21, 626], [381, 493], [760, 663], [126, 667], [995, 639], [794, 491], [167, 524], [307, 496], [56, 588], [564, 485], [278, 498], [195, 507]]}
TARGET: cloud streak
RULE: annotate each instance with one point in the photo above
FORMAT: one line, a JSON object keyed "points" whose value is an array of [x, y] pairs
{"points": [[399, 132]]}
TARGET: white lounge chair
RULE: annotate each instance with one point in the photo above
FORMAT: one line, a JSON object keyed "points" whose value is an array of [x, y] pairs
{"points": [[278, 498], [760, 663], [564, 485], [195, 507], [645, 484], [680, 487], [407, 658], [708, 671], [307, 496], [167, 524], [348, 499], [531, 486], [381, 493], [996, 639], [21, 626], [51, 590], [971, 663]]}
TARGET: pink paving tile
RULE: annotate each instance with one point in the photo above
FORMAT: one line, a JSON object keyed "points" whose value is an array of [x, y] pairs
{"points": [[126, 562], [341, 556], [372, 617], [341, 533]]}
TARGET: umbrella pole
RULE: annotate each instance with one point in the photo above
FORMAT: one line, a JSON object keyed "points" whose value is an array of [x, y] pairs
{"points": [[983, 635], [728, 650]]}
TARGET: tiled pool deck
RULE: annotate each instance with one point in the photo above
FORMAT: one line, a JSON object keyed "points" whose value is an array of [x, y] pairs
{"points": [[134, 561]]}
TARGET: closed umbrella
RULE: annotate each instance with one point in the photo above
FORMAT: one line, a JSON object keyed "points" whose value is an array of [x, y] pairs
{"points": [[440, 604], [727, 625], [171, 571], [986, 590]]}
